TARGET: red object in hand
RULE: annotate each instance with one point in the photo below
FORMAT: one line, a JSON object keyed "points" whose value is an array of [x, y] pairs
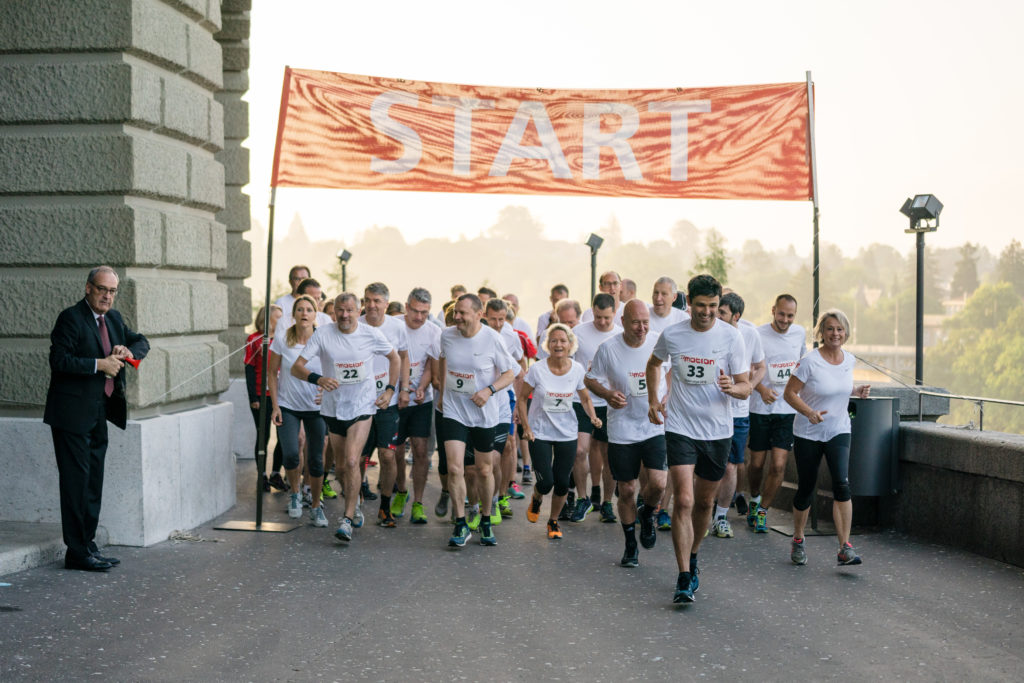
{"points": [[134, 362]]}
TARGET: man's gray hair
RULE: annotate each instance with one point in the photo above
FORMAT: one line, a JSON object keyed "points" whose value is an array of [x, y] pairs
{"points": [[378, 288], [347, 296], [101, 269], [421, 295], [666, 280]]}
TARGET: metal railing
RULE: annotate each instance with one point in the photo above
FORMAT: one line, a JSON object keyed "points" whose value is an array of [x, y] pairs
{"points": [[979, 401]]}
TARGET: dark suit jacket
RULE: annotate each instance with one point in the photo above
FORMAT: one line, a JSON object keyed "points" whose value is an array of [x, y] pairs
{"points": [[75, 385]]}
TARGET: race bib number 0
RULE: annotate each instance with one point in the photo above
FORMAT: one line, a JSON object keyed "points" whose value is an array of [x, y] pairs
{"points": [[779, 373], [554, 403], [698, 370], [349, 373], [637, 384], [461, 383], [382, 380]]}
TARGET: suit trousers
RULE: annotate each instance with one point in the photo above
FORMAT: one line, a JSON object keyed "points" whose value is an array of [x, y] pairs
{"points": [[80, 459]]}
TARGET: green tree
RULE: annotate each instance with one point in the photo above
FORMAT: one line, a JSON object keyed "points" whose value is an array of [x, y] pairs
{"points": [[965, 277], [1011, 266], [714, 261], [516, 223]]}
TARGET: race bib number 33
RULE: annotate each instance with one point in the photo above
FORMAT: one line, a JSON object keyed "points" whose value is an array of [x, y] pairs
{"points": [[461, 383], [698, 370]]}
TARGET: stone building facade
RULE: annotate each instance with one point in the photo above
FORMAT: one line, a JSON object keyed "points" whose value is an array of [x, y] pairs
{"points": [[121, 131]]}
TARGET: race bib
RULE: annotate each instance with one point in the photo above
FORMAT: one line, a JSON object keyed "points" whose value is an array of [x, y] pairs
{"points": [[415, 373], [637, 384], [381, 380], [557, 403], [350, 373], [461, 383], [779, 373], [697, 370]]}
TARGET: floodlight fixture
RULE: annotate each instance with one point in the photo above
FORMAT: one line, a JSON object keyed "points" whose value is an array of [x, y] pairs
{"points": [[344, 255], [923, 211], [594, 241]]}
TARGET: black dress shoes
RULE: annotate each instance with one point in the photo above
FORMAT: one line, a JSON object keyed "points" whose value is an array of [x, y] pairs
{"points": [[88, 564], [112, 561]]}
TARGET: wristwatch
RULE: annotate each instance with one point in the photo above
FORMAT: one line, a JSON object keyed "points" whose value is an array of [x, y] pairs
{"points": [[391, 387], [493, 390]]}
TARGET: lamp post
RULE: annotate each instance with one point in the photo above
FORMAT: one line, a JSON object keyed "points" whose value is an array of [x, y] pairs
{"points": [[343, 256], [594, 242], [923, 211]]}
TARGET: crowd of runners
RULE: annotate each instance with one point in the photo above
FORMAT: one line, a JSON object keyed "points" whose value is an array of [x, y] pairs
{"points": [[640, 413]]}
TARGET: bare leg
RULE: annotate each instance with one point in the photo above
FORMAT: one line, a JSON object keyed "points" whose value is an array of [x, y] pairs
{"points": [[682, 514], [773, 478], [456, 453], [627, 501], [485, 481], [800, 521], [703, 505], [581, 466], [420, 465], [842, 514], [755, 472], [727, 486], [400, 478]]}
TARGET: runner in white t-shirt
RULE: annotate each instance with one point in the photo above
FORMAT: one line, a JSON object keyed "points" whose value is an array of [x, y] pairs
{"points": [[384, 431], [592, 444], [497, 313], [295, 276], [474, 366], [819, 390], [416, 419], [708, 371], [730, 310], [346, 351], [617, 376], [558, 292], [609, 283], [518, 323], [550, 423], [311, 288], [663, 313], [771, 418]]}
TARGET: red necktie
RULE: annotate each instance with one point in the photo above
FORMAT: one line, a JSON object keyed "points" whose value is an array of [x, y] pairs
{"points": [[108, 387]]}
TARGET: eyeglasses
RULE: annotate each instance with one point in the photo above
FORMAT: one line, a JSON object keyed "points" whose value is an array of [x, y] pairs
{"points": [[105, 290]]}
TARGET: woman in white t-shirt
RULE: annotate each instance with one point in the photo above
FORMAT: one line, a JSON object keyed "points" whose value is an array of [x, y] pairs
{"points": [[296, 405], [819, 390], [550, 421]]}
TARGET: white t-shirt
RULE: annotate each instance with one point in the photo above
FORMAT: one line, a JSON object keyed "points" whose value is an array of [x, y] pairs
{"points": [[697, 408], [515, 349], [396, 333], [826, 387], [349, 359], [424, 344], [542, 323], [285, 302], [590, 338], [473, 363], [551, 414], [781, 353], [620, 367], [292, 392], [286, 321], [588, 315], [675, 315], [754, 354], [523, 326]]}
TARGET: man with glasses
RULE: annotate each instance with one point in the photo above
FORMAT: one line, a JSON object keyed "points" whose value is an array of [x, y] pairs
{"points": [[609, 283], [295, 277], [88, 349]]}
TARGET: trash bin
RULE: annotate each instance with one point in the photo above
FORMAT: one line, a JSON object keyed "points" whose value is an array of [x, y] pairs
{"points": [[874, 441]]}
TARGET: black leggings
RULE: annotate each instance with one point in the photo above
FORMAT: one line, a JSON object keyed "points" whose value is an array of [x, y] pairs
{"points": [[552, 464], [266, 437], [808, 458]]}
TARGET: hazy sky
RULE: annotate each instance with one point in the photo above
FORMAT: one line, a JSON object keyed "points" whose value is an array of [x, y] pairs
{"points": [[911, 97]]}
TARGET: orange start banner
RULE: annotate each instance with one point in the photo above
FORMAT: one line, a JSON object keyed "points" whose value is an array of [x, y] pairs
{"points": [[361, 132]]}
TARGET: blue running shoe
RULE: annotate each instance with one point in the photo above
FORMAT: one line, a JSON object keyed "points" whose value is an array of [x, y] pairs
{"points": [[664, 521], [684, 590], [460, 537]]}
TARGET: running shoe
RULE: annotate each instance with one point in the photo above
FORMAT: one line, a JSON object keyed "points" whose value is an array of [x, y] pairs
{"points": [[495, 515], [694, 580], [554, 531], [418, 516], [357, 517], [294, 506], [317, 516], [460, 537], [570, 504], [533, 511], [504, 507], [608, 513], [741, 504], [277, 482], [386, 519], [514, 493], [752, 515], [797, 553], [473, 520], [684, 589], [583, 508], [365, 491], [441, 509], [307, 499], [664, 521], [648, 536], [761, 526], [722, 528], [527, 478], [630, 558], [344, 530], [487, 537], [398, 504], [847, 555], [327, 492]]}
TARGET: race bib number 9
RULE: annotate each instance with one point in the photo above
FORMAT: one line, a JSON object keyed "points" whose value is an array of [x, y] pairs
{"points": [[637, 384], [698, 370], [349, 373], [779, 373], [461, 383], [556, 403]]}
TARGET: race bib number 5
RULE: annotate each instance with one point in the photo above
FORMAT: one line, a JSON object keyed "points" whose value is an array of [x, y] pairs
{"points": [[461, 383], [349, 373], [697, 370], [637, 384], [779, 373], [557, 403]]}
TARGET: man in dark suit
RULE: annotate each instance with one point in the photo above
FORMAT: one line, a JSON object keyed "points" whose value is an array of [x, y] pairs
{"points": [[88, 347]]}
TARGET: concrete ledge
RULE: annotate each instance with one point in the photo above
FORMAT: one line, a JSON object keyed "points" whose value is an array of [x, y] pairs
{"points": [[989, 454], [24, 545], [243, 429]]}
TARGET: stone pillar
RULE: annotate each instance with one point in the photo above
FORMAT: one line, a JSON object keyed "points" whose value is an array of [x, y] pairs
{"points": [[110, 133]]}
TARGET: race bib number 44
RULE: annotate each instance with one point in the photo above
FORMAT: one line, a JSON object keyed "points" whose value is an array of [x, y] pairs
{"points": [[779, 373], [461, 382], [350, 373], [696, 370], [637, 384], [557, 403]]}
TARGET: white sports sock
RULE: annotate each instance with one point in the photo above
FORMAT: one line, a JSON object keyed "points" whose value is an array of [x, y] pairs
{"points": [[721, 512]]}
